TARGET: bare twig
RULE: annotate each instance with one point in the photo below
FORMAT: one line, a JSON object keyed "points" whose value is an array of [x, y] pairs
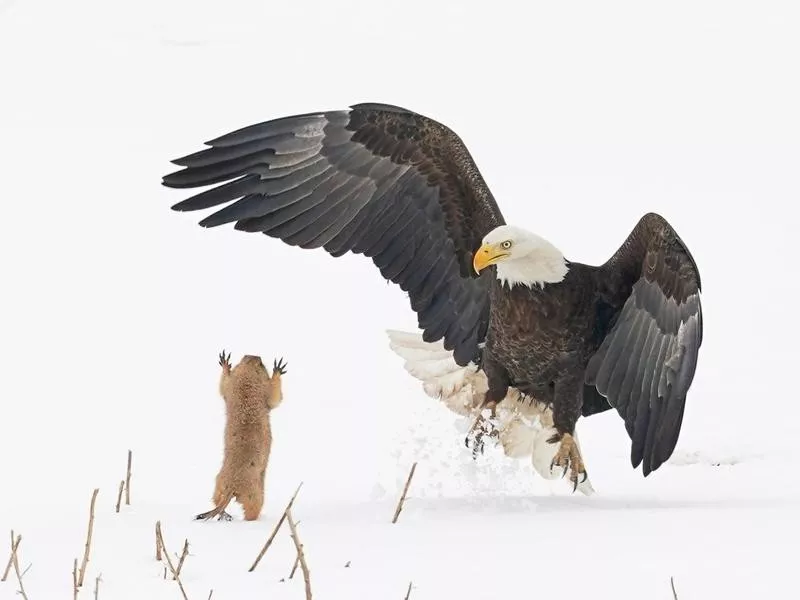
{"points": [[169, 562], [211, 593], [672, 584], [408, 593], [300, 554], [75, 579], [119, 494], [82, 573], [97, 586], [405, 491], [184, 554], [268, 543], [296, 564], [158, 544], [128, 479], [14, 545], [28, 568], [15, 557]]}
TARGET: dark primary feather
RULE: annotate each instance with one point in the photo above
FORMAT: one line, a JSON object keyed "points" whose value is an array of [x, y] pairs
{"points": [[647, 360], [377, 180]]}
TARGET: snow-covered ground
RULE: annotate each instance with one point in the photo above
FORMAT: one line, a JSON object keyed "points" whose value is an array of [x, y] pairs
{"points": [[114, 308]]}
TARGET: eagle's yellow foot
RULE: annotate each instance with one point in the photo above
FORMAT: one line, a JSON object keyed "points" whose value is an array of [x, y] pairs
{"points": [[569, 458]]}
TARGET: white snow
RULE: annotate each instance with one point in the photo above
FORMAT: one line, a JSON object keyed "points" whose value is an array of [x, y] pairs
{"points": [[581, 116]]}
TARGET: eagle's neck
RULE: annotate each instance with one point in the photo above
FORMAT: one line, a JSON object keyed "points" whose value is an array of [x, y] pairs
{"points": [[546, 264]]}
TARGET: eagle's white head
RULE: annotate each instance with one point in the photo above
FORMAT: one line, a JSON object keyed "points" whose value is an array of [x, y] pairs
{"points": [[522, 257]]}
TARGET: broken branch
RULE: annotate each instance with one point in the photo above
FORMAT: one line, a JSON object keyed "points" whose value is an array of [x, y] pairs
{"points": [[88, 539], [169, 562], [408, 593], [184, 554], [14, 556], [119, 494], [405, 491], [296, 564], [128, 479], [75, 579], [300, 554], [275, 531], [14, 545]]}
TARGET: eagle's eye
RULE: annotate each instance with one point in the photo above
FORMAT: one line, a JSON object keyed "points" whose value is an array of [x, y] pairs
{"points": [[506, 245]]}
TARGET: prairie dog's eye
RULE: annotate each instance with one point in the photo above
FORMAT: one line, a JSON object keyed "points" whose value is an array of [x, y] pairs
{"points": [[506, 245]]}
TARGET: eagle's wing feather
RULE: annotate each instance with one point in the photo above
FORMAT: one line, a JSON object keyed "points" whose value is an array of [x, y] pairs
{"points": [[376, 180], [647, 360]]}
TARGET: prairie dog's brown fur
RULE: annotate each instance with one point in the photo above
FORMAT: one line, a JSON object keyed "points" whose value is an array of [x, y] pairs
{"points": [[250, 393]]}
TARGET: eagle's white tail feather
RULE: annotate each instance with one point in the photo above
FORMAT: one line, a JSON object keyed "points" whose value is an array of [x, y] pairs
{"points": [[524, 426], [441, 376]]}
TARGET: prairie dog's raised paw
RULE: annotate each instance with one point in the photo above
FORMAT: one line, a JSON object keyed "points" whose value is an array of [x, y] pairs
{"points": [[279, 367], [225, 361]]}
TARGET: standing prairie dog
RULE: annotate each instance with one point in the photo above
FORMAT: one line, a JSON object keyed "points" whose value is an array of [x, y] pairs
{"points": [[250, 393]]}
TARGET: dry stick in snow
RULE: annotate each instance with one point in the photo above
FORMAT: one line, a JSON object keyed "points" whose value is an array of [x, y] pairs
{"points": [[296, 564], [14, 545], [16, 569], [408, 593], [300, 555], [169, 562], [275, 531], [405, 491], [158, 544], [211, 593], [97, 587], [128, 479], [88, 539], [672, 584], [184, 554], [75, 579], [119, 494]]}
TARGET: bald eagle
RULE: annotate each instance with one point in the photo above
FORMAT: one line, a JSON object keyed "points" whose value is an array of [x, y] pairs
{"points": [[402, 189]]}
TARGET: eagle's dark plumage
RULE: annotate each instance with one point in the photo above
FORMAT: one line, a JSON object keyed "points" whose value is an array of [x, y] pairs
{"points": [[401, 188]]}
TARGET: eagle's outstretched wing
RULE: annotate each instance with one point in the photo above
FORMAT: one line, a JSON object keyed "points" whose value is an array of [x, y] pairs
{"points": [[376, 180], [647, 360]]}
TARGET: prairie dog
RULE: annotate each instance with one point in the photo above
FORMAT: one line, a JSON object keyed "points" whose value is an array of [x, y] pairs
{"points": [[250, 393]]}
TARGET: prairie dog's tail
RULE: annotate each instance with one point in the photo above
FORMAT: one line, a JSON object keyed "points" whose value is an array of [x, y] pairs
{"points": [[523, 424]]}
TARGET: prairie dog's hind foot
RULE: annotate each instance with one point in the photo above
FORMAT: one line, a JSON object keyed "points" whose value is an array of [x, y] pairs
{"points": [[221, 515]]}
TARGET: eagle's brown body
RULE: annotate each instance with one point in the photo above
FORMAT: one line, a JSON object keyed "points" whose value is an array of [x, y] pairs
{"points": [[539, 336]]}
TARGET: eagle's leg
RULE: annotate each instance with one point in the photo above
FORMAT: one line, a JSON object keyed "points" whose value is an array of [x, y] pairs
{"points": [[482, 426], [498, 388], [566, 411]]}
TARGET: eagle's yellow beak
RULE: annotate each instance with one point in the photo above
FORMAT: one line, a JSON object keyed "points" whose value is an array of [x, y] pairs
{"points": [[488, 254]]}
